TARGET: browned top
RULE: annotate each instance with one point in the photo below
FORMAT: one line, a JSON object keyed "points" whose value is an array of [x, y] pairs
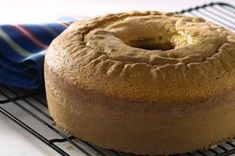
{"points": [[102, 54]]}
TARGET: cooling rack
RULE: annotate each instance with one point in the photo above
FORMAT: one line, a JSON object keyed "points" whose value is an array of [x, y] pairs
{"points": [[29, 110]]}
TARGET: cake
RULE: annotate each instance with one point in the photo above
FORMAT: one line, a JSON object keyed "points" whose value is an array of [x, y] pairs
{"points": [[143, 82]]}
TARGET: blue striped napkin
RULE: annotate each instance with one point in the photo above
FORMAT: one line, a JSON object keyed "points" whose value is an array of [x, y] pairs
{"points": [[22, 50]]}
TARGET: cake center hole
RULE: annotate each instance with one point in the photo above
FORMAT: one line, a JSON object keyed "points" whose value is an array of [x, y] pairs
{"points": [[152, 44]]}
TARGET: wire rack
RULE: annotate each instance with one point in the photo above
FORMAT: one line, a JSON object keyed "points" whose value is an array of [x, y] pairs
{"points": [[29, 110]]}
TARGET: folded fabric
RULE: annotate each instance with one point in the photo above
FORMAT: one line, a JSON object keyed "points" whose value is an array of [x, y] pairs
{"points": [[22, 50]]}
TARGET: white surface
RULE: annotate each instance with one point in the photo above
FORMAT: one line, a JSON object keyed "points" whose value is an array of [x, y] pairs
{"points": [[13, 140]]}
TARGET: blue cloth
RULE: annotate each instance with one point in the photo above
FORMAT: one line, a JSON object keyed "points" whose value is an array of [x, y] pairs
{"points": [[22, 52]]}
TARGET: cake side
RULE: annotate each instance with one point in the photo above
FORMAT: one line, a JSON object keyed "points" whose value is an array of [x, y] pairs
{"points": [[140, 127]]}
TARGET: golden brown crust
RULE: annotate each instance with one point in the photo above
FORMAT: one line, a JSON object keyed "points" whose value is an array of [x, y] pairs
{"points": [[143, 100], [140, 127], [199, 68]]}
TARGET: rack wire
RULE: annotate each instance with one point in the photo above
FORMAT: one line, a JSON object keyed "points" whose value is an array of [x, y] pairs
{"points": [[29, 110]]}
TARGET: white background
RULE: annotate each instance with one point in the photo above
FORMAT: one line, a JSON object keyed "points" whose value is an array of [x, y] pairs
{"points": [[13, 140], [25, 11]]}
